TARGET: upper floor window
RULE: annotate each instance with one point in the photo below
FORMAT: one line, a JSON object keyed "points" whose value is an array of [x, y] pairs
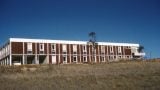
{"points": [[74, 48], [84, 48], [119, 49], [41, 47], [102, 49], [111, 49], [128, 47], [29, 47], [53, 48], [84, 53], [64, 47]]}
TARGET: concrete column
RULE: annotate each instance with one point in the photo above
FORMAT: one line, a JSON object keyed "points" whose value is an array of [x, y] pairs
{"points": [[36, 59], [47, 53], [4, 62], [10, 54], [89, 53], [124, 56], [59, 53], [23, 55], [80, 53], [70, 52]]}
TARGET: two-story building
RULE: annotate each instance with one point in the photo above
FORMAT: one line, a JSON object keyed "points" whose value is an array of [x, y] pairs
{"points": [[44, 51]]}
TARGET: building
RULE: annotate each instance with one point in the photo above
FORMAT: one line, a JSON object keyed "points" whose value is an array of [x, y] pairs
{"points": [[43, 51]]}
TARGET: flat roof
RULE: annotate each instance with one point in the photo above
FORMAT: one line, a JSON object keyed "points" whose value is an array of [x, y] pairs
{"points": [[68, 42]]}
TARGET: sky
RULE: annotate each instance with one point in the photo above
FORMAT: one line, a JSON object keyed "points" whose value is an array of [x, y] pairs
{"points": [[124, 21]]}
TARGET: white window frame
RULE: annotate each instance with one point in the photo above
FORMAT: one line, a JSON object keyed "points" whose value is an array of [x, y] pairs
{"points": [[85, 58], [65, 62], [53, 50], [102, 49], [41, 47], [74, 58], [64, 47], [111, 57], [29, 48], [74, 48], [53, 45], [103, 58], [84, 48], [119, 49], [111, 49]]}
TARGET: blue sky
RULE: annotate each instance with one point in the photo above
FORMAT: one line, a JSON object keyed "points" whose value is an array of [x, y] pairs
{"points": [[133, 21]]}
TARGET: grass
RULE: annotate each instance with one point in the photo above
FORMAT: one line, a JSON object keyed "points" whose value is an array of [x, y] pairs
{"points": [[128, 75]]}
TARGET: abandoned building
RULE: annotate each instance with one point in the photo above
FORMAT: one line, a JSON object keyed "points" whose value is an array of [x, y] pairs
{"points": [[44, 51]]}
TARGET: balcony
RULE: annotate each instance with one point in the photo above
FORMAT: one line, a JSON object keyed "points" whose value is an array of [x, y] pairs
{"points": [[139, 54]]}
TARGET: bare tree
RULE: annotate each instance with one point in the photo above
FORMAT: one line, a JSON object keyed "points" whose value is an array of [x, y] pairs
{"points": [[92, 41], [141, 48]]}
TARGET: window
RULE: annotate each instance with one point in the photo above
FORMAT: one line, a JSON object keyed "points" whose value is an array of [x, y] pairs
{"points": [[128, 57], [53, 48], [75, 48], [74, 59], [64, 52], [103, 49], [94, 52], [84, 59], [64, 47], [111, 49], [41, 47], [29, 48], [74, 52], [119, 57], [128, 47], [103, 60], [64, 59], [84, 53], [119, 50], [84, 48], [111, 57]]}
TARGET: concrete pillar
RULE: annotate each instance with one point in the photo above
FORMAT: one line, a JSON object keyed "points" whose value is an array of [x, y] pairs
{"points": [[47, 53], [69, 53], [7, 61], [59, 53], [10, 60], [35, 58], [4, 61], [23, 59], [80, 53]]}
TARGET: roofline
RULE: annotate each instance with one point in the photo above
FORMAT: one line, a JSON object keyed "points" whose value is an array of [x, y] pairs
{"points": [[68, 42]]}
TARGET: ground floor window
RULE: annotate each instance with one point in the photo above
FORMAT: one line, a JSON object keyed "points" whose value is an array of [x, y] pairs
{"points": [[84, 59], [75, 59], [102, 59], [64, 59]]}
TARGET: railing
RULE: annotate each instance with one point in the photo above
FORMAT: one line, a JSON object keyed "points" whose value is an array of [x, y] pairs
{"points": [[139, 54]]}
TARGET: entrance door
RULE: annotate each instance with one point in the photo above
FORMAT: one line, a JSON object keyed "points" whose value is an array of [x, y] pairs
{"points": [[54, 59]]}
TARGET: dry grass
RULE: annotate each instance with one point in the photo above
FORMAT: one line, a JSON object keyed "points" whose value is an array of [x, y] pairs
{"points": [[128, 75]]}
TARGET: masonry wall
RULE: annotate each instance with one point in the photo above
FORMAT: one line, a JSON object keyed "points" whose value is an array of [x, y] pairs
{"points": [[20, 50]]}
